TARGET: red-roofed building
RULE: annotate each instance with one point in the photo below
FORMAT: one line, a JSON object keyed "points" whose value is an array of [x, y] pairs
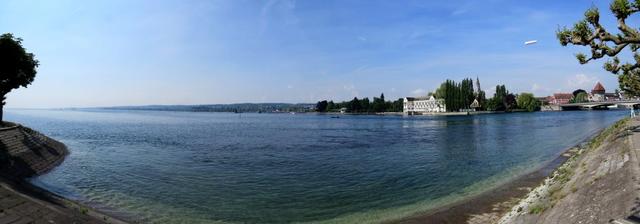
{"points": [[598, 89], [598, 92], [560, 98]]}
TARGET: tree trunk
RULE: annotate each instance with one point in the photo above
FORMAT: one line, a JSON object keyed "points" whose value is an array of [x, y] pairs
{"points": [[2, 110], [1, 113]]}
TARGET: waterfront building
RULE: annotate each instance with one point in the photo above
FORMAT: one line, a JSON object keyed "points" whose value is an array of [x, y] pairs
{"points": [[560, 98], [475, 105], [543, 100], [422, 105], [598, 93], [613, 96]]}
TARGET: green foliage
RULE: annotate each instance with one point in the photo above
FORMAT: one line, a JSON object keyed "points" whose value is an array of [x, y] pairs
{"points": [[354, 105], [510, 102], [456, 95], [575, 92], [581, 97], [630, 82], [330, 106], [528, 102], [17, 66], [602, 43], [537, 209], [620, 8], [379, 104], [364, 105], [592, 15], [321, 106], [597, 141], [581, 30], [564, 36], [582, 58], [498, 102]]}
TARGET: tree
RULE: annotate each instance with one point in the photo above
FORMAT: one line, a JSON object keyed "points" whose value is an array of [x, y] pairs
{"points": [[494, 104], [365, 105], [354, 105], [589, 32], [581, 97], [510, 102], [331, 106], [502, 100], [528, 102], [321, 106], [397, 105], [456, 95], [575, 92], [17, 66], [379, 104]]}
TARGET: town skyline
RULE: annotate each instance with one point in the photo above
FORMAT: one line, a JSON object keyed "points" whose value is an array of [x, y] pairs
{"points": [[122, 53]]}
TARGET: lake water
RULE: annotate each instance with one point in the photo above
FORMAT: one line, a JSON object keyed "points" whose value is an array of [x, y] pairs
{"points": [[183, 167]]}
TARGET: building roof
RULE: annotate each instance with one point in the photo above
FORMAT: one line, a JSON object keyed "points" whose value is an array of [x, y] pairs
{"points": [[567, 96], [475, 104], [598, 87], [419, 98]]}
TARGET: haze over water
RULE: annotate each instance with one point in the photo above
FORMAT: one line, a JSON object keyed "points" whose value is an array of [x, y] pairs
{"points": [[183, 167]]}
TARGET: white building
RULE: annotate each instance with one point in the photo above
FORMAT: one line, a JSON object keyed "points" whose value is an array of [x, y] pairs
{"points": [[421, 105]]}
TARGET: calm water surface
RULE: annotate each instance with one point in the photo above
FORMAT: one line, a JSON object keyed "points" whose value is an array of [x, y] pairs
{"points": [[182, 167]]}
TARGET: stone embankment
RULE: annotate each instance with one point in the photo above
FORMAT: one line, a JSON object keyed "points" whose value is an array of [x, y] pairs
{"points": [[598, 184], [26, 153]]}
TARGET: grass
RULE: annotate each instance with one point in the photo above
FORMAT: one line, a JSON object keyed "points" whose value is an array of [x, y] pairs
{"points": [[84, 210], [574, 189], [564, 173], [537, 209], [597, 141]]}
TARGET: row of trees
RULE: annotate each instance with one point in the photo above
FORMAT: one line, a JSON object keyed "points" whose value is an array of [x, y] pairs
{"points": [[502, 100], [461, 95], [364, 105], [457, 95]]}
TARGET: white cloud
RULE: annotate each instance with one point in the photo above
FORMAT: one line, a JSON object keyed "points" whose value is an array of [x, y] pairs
{"points": [[535, 87], [361, 38], [418, 92], [581, 81]]}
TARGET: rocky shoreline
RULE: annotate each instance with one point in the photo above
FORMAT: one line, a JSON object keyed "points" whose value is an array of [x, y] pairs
{"points": [[529, 197], [598, 184], [26, 153]]}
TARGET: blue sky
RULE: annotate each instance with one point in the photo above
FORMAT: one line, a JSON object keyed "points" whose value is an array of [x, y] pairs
{"points": [[103, 53]]}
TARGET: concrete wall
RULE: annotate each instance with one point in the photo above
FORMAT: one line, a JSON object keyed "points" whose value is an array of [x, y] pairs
{"points": [[25, 152]]}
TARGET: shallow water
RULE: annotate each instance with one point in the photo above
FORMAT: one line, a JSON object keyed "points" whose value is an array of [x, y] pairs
{"points": [[182, 167]]}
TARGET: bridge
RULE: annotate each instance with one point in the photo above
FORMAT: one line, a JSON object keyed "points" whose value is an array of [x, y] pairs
{"points": [[600, 105]]}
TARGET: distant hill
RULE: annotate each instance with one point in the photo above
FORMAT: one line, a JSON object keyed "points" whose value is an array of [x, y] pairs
{"points": [[239, 107]]}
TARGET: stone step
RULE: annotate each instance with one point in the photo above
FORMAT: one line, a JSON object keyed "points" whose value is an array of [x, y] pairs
{"points": [[634, 219]]}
